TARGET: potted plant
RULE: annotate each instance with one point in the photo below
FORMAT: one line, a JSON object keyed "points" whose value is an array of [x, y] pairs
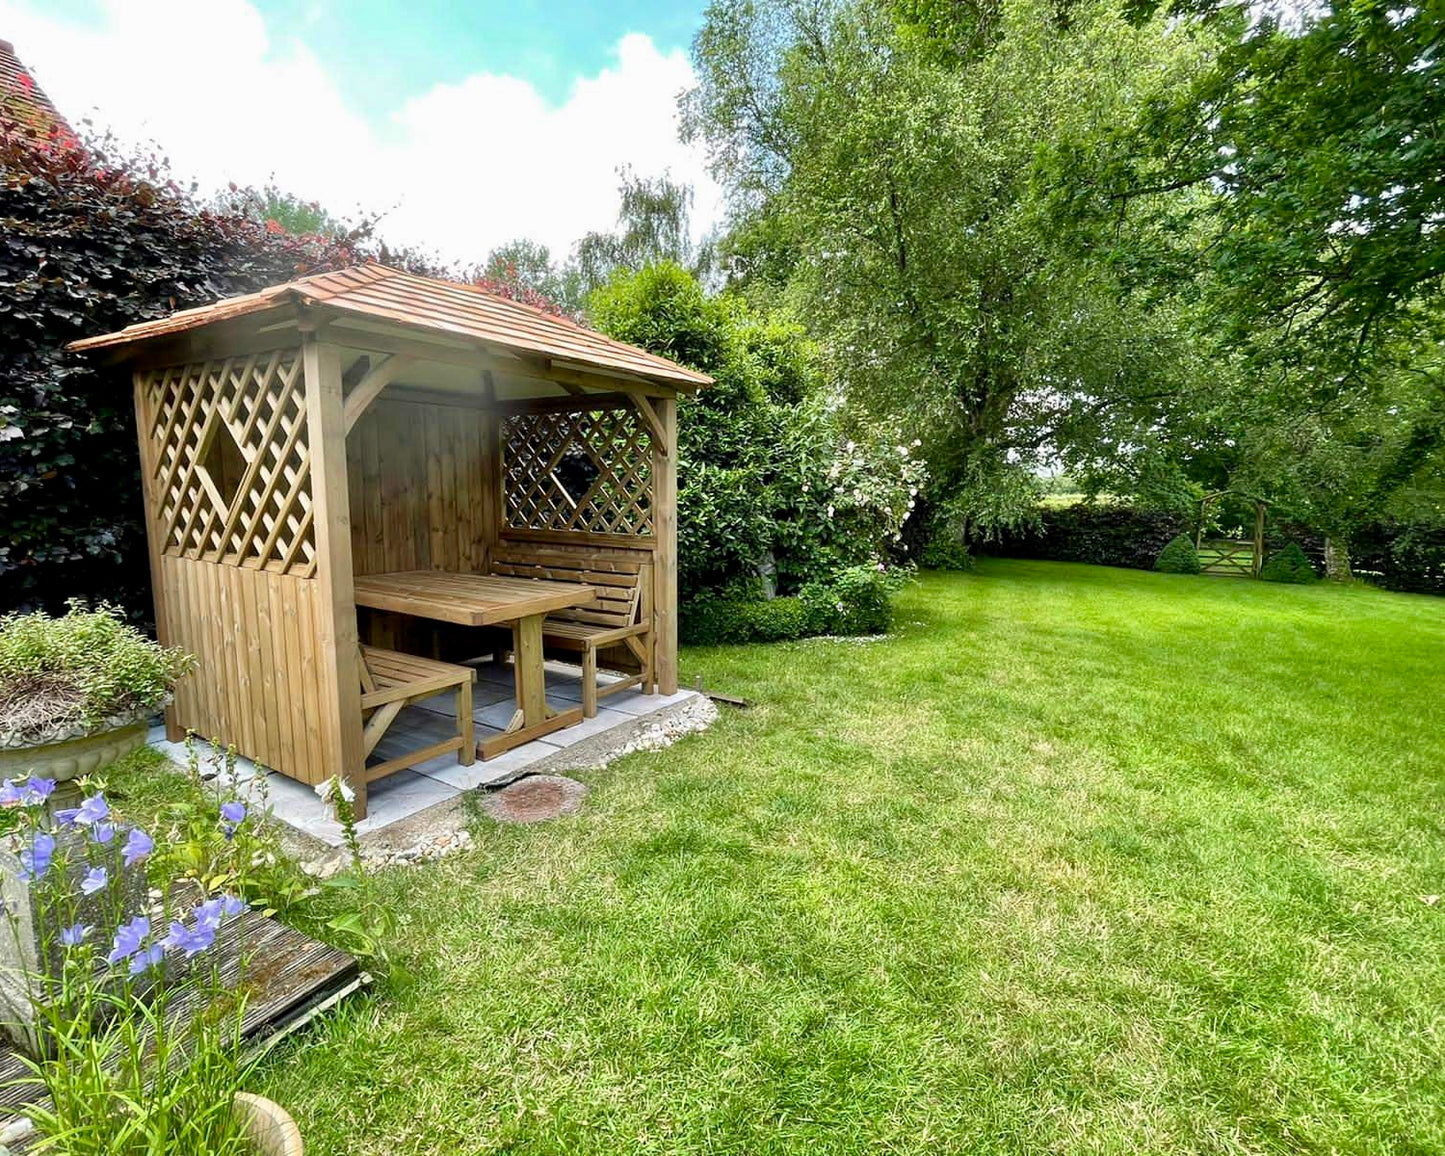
{"points": [[132, 978], [76, 691]]}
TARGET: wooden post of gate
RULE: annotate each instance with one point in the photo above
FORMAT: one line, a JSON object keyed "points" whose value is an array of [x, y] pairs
{"points": [[1258, 537]]}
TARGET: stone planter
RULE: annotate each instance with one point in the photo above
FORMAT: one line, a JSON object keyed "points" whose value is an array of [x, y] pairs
{"points": [[269, 1126], [28, 952], [69, 756]]}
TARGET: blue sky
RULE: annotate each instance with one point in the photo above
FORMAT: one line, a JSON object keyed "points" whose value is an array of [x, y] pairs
{"points": [[377, 49], [467, 125]]}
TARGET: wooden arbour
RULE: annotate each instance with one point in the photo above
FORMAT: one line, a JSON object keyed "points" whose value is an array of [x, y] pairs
{"points": [[1231, 557], [368, 422]]}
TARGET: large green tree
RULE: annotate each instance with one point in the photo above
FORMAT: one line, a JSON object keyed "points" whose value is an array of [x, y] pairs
{"points": [[1313, 154], [917, 197]]}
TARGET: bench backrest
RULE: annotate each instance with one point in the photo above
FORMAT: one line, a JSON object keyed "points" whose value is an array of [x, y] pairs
{"points": [[619, 582]]}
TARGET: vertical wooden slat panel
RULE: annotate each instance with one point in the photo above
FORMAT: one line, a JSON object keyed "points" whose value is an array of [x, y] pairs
{"points": [[308, 713], [246, 628], [430, 430], [371, 480], [294, 704], [264, 694], [255, 680], [491, 485]]}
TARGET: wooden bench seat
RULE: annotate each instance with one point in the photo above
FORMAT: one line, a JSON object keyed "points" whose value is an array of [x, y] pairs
{"points": [[390, 681], [620, 617]]}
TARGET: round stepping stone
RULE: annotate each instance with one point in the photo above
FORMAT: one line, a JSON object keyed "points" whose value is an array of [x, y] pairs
{"points": [[535, 798]]}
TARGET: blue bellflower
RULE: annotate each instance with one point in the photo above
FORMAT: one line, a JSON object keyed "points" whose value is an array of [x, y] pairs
{"points": [[137, 846], [35, 860], [128, 939]]}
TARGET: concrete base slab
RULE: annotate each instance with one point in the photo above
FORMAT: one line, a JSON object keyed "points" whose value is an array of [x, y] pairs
{"points": [[431, 790]]}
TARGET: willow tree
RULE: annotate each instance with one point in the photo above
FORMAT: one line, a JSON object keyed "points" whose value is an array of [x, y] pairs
{"points": [[930, 210]]}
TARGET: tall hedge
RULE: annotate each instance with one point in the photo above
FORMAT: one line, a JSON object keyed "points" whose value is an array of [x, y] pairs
{"points": [[1392, 555], [1099, 535], [88, 246]]}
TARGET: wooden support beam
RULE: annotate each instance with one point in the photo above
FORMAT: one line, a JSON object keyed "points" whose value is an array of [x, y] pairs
{"points": [[664, 520], [651, 420], [377, 378], [338, 679]]}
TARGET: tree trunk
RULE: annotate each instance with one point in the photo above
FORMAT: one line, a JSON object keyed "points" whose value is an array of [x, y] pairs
{"points": [[1337, 561]]}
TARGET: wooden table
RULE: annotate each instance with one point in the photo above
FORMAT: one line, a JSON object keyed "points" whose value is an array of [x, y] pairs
{"points": [[489, 600]]}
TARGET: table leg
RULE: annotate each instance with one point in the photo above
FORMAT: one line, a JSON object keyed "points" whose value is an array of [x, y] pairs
{"points": [[531, 684], [531, 673]]}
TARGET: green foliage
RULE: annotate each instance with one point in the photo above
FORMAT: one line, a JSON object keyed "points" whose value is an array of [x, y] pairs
{"points": [[944, 550], [93, 243], [1097, 533], [1288, 565], [770, 476], [1179, 557], [924, 197], [856, 601], [1068, 838], [79, 670], [1307, 248]]}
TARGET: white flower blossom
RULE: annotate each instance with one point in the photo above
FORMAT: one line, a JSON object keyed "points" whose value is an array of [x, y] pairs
{"points": [[328, 790]]}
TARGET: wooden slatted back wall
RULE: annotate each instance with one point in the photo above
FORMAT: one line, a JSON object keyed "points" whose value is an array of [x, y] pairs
{"points": [[226, 467], [421, 489]]}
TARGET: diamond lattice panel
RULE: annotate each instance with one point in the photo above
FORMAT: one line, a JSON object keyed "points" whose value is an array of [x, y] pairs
{"points": [[253, 509], [547, 484]]}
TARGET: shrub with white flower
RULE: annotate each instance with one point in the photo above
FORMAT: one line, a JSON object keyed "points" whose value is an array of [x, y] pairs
{"points": [[102, 968]]}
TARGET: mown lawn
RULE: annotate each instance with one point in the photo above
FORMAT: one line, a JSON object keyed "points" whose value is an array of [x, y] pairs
{"points": [[1080, 860]]}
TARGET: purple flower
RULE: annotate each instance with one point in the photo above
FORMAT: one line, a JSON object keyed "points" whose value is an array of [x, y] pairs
{"points": [[38, 790], [232, 816], [10, 795], [95, 880], [209, 913], [35, 860], [128, 939], [230, 905], [102, 832], [190, 939], [137, 846], [75, 934], [94, 810], [146, 957]]}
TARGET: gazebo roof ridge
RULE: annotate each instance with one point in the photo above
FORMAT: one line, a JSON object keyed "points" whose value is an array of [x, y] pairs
{"points": [[380, 293]]}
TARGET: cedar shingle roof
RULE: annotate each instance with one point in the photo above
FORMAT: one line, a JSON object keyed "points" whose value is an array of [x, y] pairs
{"points": [[384, 294], [23, 101]]}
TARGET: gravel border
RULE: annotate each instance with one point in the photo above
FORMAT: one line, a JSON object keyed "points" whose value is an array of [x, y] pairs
{"points": [[443, 829]]}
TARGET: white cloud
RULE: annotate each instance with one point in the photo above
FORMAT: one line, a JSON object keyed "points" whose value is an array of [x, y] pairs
{"points": [[461, 167]]}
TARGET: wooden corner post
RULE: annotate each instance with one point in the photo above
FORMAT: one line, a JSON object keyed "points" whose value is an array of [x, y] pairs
{"points": [[154, 543], [664, 570], [338, 679]]}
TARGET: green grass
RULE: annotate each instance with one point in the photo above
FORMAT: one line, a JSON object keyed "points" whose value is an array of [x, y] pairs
{"points": [[1080, 860]]}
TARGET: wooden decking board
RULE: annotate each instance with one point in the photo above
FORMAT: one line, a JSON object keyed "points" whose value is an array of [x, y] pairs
{"points": [[287, 976]]}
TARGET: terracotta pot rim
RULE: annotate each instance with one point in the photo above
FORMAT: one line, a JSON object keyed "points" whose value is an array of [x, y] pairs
{"points": [[269, 1126]]}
